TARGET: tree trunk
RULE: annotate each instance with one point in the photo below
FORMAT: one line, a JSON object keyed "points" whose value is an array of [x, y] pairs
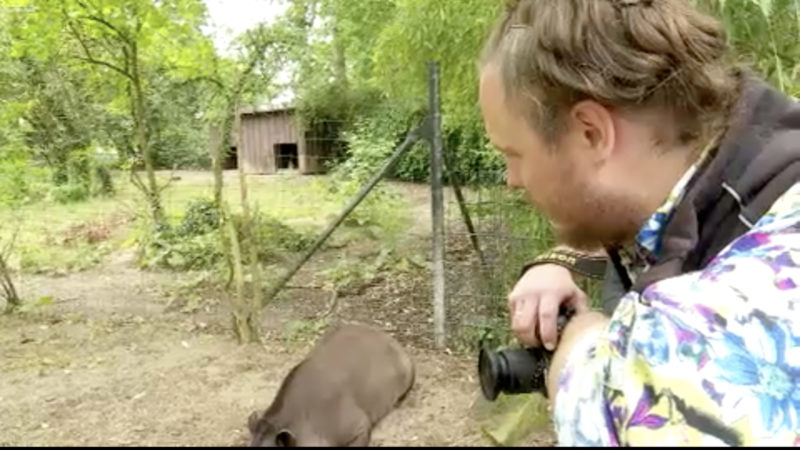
{"points": [[9, 291], [245, 313], [224, 147], [152, 191], [339, 60], [218, 155], [249, 238], [245, 322]]}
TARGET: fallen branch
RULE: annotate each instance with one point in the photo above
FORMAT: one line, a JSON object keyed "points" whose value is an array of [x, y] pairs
{"points": [[332, 304]]}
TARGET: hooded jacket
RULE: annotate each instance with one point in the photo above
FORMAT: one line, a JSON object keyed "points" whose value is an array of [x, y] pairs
{"points": [[757, 160]]}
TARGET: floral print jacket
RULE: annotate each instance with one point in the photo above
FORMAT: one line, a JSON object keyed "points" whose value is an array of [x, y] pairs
{"points": [[707, 358]]}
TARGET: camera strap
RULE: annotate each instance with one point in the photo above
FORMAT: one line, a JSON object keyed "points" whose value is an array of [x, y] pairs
{"points": [[591, 266]]}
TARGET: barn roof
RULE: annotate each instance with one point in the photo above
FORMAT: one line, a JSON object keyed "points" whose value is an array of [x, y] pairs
{"points": [[265, 109]]}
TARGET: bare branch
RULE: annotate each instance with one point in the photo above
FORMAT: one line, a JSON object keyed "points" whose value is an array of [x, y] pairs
{"points": [[10, 292], [105, 64], [100, 20], [137, 180], [169, 180], [111, 45], [209, 79], [89, 58], [10, 244], [127, 40]]}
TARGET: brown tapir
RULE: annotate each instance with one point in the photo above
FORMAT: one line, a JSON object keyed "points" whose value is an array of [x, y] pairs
{"points": [[353, 377]]}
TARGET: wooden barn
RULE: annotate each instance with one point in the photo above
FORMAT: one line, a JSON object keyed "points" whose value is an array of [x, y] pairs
{"points": [[267, 140]]}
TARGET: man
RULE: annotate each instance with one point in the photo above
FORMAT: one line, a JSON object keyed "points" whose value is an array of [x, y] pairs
{"points": [[626, 127]]}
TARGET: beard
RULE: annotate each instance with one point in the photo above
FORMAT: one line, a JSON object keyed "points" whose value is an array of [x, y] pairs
{"points": [[592, 236], [586, 220]]}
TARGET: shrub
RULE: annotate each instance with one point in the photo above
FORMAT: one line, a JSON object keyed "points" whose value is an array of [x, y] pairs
{"points": [[201, 217], [21, 182], [273, 237], [170, 250], [70, 193]]}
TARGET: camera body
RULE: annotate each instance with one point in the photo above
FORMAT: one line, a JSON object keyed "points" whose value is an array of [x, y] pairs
{"points": [[516, 370]]}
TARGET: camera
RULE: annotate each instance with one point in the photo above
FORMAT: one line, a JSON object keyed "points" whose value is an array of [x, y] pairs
{"points": [[516, 370]]}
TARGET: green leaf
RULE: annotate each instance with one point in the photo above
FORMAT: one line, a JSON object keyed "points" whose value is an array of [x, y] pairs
{"points": [[512, 418], [45, 300]]}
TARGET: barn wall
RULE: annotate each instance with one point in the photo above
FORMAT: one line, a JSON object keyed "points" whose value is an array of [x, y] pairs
{"points": [[259, 134], [319, 144]]}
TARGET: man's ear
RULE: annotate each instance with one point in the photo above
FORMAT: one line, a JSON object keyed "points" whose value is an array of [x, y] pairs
{"points": [[595, 125], [285, 438], [252, 421]]}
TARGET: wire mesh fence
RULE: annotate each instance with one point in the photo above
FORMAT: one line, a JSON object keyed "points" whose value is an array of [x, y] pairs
{"points": [[334, 182], [483, 264]]}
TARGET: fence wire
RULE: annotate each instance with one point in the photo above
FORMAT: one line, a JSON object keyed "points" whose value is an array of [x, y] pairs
{"points": [[508, 233]]}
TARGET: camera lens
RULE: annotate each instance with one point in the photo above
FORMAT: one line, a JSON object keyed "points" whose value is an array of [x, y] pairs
{"points": [[488, 372], [517, 371], [512, 371]]}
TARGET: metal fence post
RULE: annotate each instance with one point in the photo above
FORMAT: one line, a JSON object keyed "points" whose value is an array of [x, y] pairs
{"points": [[437, 205], [401, 150]]}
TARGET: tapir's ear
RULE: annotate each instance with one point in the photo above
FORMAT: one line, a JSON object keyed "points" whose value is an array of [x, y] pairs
{"points": [[285, 438], [252, 421]]}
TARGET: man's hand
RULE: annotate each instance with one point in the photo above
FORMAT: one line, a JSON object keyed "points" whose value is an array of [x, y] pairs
{"points": [[535, 301]]}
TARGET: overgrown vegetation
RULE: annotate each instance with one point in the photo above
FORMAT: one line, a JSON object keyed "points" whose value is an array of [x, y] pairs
{"points": [[8, 290], [98, 95]]}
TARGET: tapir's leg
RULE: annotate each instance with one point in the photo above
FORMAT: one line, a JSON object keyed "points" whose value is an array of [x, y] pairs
{"points": [[362, 440], [357, 427]]}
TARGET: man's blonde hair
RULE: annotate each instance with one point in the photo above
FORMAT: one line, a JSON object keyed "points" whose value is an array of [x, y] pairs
{"points": [[629, 54]]}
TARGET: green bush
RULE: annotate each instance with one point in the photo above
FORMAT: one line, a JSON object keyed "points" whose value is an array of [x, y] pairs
{"points": [[376, 134], [201, 217], [195, 244], [70, 193], [169, 249], [104, 179], [21, 182], [273, 238], [192, 245]]}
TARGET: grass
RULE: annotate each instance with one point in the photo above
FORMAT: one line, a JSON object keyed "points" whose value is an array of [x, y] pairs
{"points": [[301, 201], [43, 241], [292, 198], [513, 234]]}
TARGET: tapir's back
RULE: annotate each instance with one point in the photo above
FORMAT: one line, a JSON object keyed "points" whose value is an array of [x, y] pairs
{"points": [[364, 362], [351, 364]]}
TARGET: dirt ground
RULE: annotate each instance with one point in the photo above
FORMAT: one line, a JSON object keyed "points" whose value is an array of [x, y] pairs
{"points": [[107, 365], [115, 360]]}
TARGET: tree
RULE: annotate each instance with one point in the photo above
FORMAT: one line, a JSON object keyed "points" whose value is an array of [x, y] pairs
{"points": [[363, 64], [175, 109], [124, 42], [333, 55], [64, 117], [262, 51]]}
